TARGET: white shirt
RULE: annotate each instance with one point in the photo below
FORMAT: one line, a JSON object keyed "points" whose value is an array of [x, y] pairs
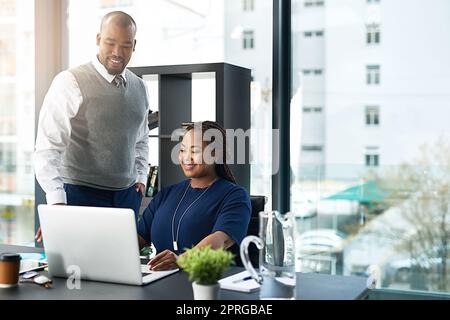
{"points": [[61, 104]]}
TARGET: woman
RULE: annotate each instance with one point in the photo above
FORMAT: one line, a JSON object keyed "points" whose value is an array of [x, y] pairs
{"points": [[207, 209]]}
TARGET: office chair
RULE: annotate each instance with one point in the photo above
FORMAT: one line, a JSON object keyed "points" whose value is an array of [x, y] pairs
{"points": [[258, 203]]}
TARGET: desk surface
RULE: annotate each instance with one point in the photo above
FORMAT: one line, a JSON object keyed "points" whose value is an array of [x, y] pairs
{"points": [[310, 286]]}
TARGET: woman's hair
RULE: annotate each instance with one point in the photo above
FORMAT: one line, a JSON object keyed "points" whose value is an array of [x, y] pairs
{"points": [[222, 169]]}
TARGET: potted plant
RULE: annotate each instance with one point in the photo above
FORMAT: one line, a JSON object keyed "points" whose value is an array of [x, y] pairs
{"points": [[205, 267]]}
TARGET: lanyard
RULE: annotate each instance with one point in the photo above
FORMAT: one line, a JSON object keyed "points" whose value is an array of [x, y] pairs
{"points": [[175, 235]]}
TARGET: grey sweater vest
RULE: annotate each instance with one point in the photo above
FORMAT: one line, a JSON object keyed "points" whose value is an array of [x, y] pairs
{"points": [[101, 153]]}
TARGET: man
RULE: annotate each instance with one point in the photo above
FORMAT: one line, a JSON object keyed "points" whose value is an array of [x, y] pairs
{"points": [[92, 140]]}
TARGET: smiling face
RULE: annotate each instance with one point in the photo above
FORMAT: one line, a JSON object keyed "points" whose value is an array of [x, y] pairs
{"points": [[116, 45], [191, 157]]}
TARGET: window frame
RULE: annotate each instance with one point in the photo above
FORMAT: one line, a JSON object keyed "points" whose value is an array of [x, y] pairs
{"points": [[373, 72], [373, 34], [372, 116], [248, 5], [372, 160], [248, 39], [51, 57]]}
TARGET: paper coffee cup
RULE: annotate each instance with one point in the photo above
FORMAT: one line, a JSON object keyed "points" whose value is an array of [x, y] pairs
{"points": [[9, 270]]}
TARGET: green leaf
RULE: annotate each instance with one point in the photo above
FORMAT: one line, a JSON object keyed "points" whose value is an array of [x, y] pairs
{"points": [[146, 251]]}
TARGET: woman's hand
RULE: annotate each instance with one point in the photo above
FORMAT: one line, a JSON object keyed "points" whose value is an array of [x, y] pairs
{"points": [[165, 260]]}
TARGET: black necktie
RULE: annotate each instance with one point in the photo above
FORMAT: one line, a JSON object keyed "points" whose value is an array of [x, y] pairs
{"points": [[119, 81]]}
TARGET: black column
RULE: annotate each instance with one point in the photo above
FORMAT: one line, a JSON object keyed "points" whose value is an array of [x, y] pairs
{"points": [[281, 102]]}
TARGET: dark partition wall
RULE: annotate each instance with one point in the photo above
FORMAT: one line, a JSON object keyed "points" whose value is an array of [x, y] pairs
{"points": [[175, 96]]}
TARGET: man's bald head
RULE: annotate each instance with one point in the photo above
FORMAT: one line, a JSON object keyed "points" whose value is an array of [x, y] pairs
{"points": [[116, 41], [118, 18]]}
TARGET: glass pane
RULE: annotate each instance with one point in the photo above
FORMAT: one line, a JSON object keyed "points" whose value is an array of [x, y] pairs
{"points": [[377, 200], [203, 96], [196, 31], [16, 122]]}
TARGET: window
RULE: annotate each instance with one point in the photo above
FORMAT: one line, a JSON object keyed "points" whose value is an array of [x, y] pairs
{"points": [[16, 121], [312, 109], [372, 116], [206, 31], [310, 34], [248, 40], [372, 160], [312, 148], [373, 34], [248, 5], [385, 145], [28, 162], [373, 74], [310, 3], [316, 72]]}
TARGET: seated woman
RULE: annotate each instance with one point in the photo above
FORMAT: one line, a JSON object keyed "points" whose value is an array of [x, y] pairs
{"points": [[207, 209]]}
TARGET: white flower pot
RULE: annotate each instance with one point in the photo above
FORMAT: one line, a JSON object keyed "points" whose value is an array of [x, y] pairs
{"points": [[206, 292]]}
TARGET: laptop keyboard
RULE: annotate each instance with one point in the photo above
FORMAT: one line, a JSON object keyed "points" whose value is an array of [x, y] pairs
{"points": [[145, 270]]}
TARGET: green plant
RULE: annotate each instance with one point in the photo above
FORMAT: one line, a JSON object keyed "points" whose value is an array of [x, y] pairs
{"points": [[146, 251], [205, 265]]}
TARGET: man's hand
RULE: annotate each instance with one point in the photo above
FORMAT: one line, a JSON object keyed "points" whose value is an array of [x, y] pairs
{"points": [[140, 188], [165, 260], [38, 235]]}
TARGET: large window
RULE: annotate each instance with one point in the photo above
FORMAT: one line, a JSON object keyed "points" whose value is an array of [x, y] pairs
{"points": [[376, 197], [16, 122], [195, 31]]}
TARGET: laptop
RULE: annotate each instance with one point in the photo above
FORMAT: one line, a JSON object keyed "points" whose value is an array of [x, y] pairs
{"points": [[99, 244]]}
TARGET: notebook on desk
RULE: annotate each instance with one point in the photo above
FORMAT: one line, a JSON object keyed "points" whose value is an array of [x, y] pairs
{"points": [[241, 281], [32, 262]]}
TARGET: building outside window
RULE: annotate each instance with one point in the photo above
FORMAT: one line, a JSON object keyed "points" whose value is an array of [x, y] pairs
{"points": [[372, 116], [405, 175], [373, 74], [16, 121]]}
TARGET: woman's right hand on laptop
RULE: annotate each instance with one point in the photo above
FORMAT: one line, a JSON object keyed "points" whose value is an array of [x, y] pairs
{"points": [[166, 260]]}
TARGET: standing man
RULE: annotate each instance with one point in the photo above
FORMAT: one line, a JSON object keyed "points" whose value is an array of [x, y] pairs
{"points": [[92, 140]]}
